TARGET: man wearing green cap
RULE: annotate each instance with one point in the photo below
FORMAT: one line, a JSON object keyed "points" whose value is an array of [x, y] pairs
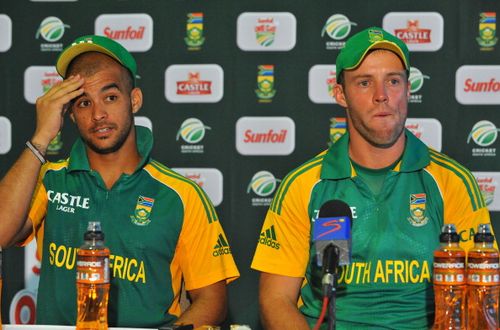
{"points": [[400, 193], [161, 228]]}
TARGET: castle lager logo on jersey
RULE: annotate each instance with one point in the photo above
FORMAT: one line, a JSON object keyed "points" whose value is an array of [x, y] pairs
{"points": [[266, 31], [142, 213], [194, 83], [133, 31], [268, 238], [265, 135], [265, 83], [338, 127], [192, 131], [5, 33], [416, 80], [478, 84], [338, 28], [322, 80], [429, 130], [51, 29], [194, 31], [221, 247], [38, 80], [65, 202], [209, 179], [487, 31], [5, 135], [484, 133], [421, 31], [488, 184], [417, 210]]}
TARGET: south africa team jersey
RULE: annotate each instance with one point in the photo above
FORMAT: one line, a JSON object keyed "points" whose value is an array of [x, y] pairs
{"points": [[161, 229], [394, 233]]}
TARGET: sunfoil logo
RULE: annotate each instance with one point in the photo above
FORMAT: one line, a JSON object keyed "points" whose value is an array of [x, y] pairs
{"points": [[484, 133], [51, 29], [337, 27], [416, 79], [192, 131], [263, 184]]}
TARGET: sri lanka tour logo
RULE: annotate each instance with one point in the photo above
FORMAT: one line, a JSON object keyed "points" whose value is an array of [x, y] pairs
{"points": [[142, 211], [265, 31], [51, 29], [263, 184], [265, 83], [417, 210], [487, 31], [337, 27], [413, 34], [416, 80], [484, 133], [488, 186], [192, 131], [194, 31], [338, 127]]}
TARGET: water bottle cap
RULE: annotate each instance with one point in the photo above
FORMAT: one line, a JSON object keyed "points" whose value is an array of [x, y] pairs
{"points": [[483, 234], [94, 231], [449, 234]]}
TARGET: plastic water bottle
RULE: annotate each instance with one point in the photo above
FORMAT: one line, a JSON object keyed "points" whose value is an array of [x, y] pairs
{"points": [[449, 281], [92, 280], [483, 281]]}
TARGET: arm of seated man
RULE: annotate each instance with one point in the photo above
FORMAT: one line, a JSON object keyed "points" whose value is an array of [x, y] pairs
{"points": [[278, 297], [208, 305]]}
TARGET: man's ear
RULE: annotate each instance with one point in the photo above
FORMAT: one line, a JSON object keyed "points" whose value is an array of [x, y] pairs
{"points": [[136, 99], [338, 92]]}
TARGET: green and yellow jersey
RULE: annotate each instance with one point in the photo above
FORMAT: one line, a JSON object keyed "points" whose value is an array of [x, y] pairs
{"points": [[394, 233], [161, 228]]}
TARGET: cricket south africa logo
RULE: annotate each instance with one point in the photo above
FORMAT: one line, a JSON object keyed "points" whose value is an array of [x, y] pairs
{"points": [[194, 31], [263, 184], [417, 210], [487, 31], [337, 27], [265, 83], [142, 211], [192, 131], [484, 133], [51, 29], [416, 83]]}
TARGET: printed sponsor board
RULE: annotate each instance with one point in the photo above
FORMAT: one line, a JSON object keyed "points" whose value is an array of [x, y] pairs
{"points": [[265, 136], [266, 31], [209, 179]]}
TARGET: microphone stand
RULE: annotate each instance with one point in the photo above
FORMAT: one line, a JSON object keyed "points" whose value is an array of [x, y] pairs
{"points": [[329, 281]]}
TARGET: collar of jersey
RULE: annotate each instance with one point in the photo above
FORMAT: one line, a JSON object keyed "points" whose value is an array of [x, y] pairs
{"points": [[78, 160], [336, 164]]}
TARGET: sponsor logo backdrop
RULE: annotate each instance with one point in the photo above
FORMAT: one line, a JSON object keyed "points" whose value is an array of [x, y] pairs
{"points": [[239, 93]]}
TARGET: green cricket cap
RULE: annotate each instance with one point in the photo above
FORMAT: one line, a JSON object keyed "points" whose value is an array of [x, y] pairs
{"points": [[94, 43], [359, 44]]}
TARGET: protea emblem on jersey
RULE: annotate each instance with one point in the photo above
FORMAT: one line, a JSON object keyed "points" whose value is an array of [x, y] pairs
{"points": [[142, 211], [417, 210]]}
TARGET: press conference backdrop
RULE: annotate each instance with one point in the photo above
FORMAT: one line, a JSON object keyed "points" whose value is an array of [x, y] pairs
{"points": [[237, 93]]}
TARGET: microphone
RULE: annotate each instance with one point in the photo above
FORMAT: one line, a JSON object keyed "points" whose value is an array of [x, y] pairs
{"points": [[332, 235]]}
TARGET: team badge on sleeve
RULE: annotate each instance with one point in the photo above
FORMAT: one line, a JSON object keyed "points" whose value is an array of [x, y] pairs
{"points": [[417, 210], [142, 211]]}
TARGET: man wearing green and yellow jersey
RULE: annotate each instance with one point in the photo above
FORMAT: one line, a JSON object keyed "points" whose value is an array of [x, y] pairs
{"points": [[400, 192], [161, 228]]}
